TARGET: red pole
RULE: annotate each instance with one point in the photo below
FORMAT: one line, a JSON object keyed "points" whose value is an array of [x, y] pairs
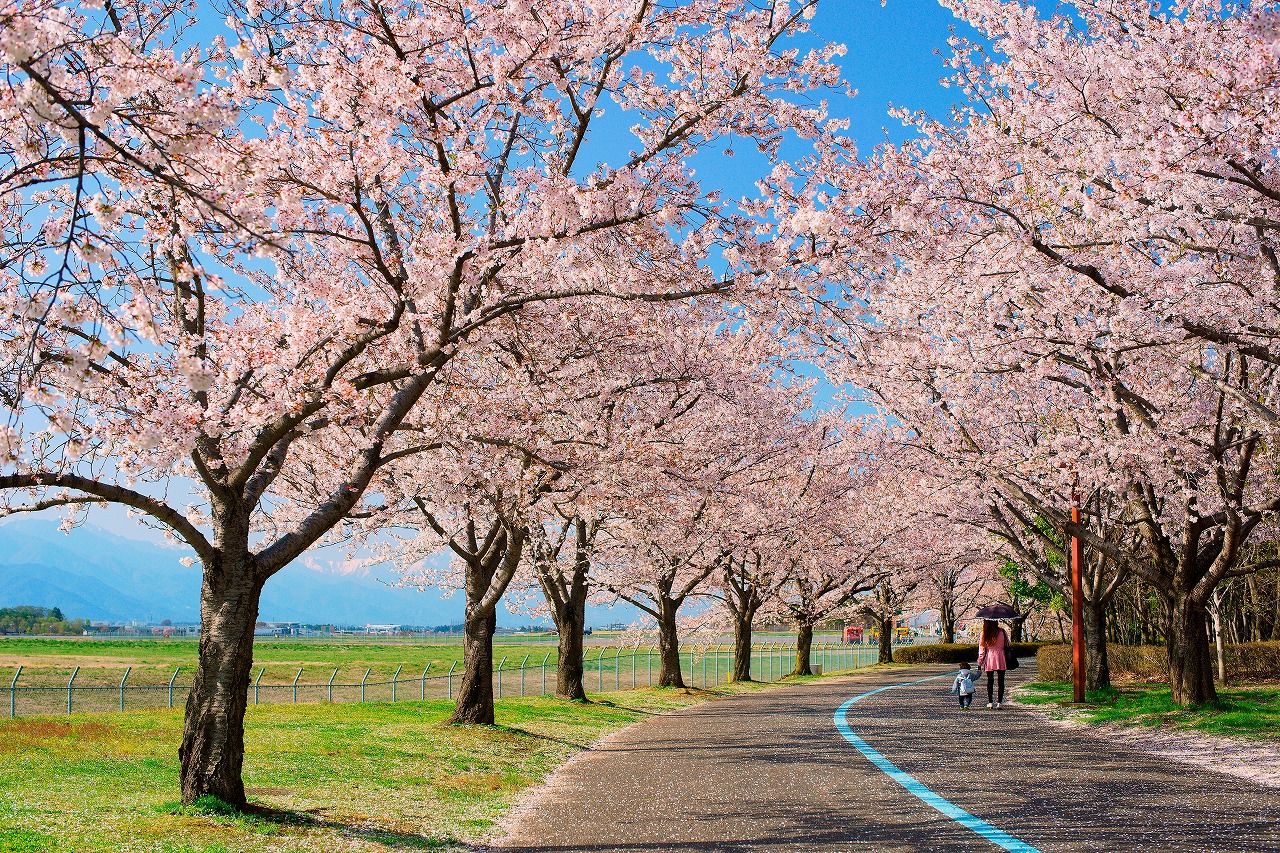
{"points": [[1077, 606]]}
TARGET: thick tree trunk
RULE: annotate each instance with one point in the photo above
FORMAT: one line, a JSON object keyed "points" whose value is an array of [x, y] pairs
{"points": [[475, 696], [886, 640], [212, 750], [804, 646], [571, 622], [1190, 662], [1097, 673], [1015, 630], [947, 616], [669, 644], [742, 645]]}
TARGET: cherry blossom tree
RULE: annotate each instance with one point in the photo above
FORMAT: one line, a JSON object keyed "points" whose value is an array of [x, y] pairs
{"points": [[745, 586], [676, 528], [1056, 303], [246, 262], [845, 509]]}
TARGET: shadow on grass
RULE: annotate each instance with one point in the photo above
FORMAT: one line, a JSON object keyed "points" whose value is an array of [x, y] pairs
{"points": [[259, 814]]}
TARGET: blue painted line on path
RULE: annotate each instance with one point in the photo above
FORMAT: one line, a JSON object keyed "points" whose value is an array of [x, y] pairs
{"points": [[944, 806]]}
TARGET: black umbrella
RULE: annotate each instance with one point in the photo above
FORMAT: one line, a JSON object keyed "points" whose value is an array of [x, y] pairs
{"points": [[998, 611]]}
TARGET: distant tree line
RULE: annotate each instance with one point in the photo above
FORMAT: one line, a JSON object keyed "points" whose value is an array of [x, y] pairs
{"points": [[26, 619]]}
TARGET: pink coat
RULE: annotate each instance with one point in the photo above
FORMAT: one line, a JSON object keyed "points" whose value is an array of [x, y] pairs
{"points": [[991, 658]]}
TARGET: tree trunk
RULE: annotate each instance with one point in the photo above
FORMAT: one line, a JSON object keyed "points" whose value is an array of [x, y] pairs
{"points": [[1190, 664], [570, 622], [212, 750], [1275, 615], [947, 616], [886, 640], [1015, 630], [669, 644], [475, 696], [1215, 611], [1097, 671], [742, 645], [804, 645]]}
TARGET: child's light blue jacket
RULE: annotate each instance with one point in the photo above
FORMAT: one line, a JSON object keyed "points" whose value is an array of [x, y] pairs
{"points": [[963, 683]]}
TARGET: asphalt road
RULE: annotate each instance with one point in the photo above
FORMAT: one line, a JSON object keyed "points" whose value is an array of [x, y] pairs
{"points": [[770, 772]]}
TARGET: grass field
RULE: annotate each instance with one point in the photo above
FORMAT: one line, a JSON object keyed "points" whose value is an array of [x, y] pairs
{"points": [[154, 660], [1244, 711], [370, 777], [50, 661]]}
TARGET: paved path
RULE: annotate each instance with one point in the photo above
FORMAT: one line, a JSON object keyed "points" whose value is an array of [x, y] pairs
{"points": [[769, 772]]}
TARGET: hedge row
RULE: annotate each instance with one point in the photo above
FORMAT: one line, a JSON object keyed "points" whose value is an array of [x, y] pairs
{"points": [[1151, 663], [953, 652]]}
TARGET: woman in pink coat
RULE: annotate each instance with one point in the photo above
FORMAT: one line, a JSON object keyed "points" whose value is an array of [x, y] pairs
{"points": [[991, 659]]}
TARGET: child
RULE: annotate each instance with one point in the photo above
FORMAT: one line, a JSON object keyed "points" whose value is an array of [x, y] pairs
{"points": [[963, 685]]}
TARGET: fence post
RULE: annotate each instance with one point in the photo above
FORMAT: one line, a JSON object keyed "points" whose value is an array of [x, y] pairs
{"points": [[544, 673], [394, 676], [255, 684], [295, 685], [424, 682], [522, 663], [616, 667], [331, 678], [127, 669], [72, 681], [500, 663], [13, 694], [172, 678], [451, 669], [600, 670], [648, 657], [633, 665], [362, 681]]}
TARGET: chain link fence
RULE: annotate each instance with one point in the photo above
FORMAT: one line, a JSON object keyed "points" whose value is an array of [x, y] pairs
{"points": [[607, 668]]}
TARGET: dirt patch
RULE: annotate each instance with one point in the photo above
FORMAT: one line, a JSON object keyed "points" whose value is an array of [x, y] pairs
{"points": [[1247, 759], [27, 734]]}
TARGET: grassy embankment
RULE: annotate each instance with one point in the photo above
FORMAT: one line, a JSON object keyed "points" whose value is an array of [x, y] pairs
{"points": [[321, 777], [1241, 711]]}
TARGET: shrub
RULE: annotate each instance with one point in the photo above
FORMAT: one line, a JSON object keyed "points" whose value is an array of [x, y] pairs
{"points": [[953, 652], [1151, 663]]}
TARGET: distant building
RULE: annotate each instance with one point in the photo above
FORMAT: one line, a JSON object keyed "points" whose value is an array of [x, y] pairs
{"points": [[382, 630], [277, 629], [928, 622]]}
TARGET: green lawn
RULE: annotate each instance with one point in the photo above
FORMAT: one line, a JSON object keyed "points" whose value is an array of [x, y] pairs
{"points": [[323, 777], [1248, 711]]}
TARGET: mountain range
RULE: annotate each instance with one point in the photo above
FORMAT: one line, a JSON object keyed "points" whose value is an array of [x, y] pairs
{"points": [[94, 574]]}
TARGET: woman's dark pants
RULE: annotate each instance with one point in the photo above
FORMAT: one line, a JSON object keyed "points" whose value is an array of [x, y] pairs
{"points": [[991, 676]]}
